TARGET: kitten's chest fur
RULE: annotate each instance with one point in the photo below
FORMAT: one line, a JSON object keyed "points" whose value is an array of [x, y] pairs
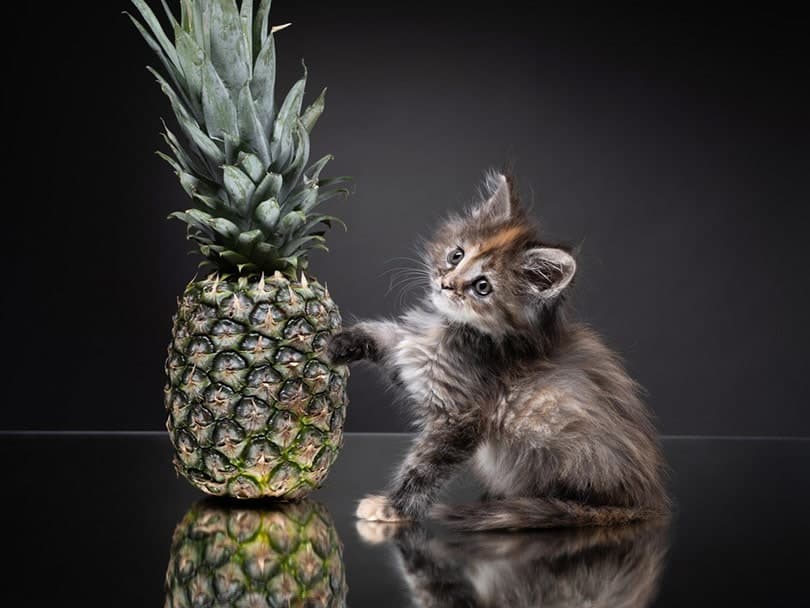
{"points": [[443, 367]]}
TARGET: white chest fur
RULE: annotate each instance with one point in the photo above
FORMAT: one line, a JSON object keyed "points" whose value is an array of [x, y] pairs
{"points": [[417, 356]]}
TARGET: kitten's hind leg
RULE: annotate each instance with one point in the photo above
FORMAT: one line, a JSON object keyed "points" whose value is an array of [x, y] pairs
{"points": [[433, 457]]}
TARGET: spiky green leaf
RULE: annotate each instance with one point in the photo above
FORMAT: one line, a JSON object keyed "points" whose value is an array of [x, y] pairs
{"points": [[249, 237], [314, 220], [229, 53], [198, 221], [246, 242], [218, 108], [233, 258], [210, 250], [189, 183], [192, 60], [267, 249], [314, 171], [262, 86], [246, 15], [198, 215], [300, 245], [195, 186], [313, 112], [208, 149], [309, 200], [291, 222], [169, 14], [299, 161], [260, 23], [157, 30], [186, 155], [179, 105], [293, 264], [251, 164], [186, 16], [231, 149], [266, 215], [334, 181], [210, 202], [250, 127], [178, 169], [325, 195], [294, 201], [240, 189], [179, 155], [281, 146], [269, 187], [199, 22], [224, 227], [267, 256], [174, 73]]}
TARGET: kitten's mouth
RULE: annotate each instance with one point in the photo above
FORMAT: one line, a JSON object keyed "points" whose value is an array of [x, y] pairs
{"points": [[449, 301], [446, 294]]}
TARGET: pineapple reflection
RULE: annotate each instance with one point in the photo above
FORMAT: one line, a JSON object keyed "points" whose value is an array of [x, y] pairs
{"points": [[594, 567], [277, 554]]}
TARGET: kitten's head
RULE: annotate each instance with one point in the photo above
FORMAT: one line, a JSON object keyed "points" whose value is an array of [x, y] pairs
{"points": [[489, 270]]}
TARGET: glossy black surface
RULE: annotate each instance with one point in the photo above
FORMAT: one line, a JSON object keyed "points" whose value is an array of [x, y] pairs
{"points": [[89, 521]]}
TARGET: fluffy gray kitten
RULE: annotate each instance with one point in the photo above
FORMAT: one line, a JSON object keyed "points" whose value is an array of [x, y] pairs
{"points": [[495, 372]]}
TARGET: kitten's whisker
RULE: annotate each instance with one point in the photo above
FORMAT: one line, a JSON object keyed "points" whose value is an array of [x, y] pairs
{"points": [[407, 272], [404, 286], [405, 281], [406, 258], [420, 263], [406, 291], [397, 272]]}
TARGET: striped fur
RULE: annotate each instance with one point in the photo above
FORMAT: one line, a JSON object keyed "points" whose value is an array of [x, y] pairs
{"points": [[546, 413]]}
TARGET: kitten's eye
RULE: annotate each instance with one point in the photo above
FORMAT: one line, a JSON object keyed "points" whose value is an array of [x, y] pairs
{"points": [[482, 287], [455, 256]]}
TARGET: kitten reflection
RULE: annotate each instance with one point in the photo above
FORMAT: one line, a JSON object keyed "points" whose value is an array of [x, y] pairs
{"points": [[615, 567], [274, 554]]}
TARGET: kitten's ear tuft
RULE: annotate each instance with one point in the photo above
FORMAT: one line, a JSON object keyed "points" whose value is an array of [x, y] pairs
{"points": [[501, 198], [549, 270]]}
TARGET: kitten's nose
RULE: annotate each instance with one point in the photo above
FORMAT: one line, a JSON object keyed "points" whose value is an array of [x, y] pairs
{"points": [[448, 284]]}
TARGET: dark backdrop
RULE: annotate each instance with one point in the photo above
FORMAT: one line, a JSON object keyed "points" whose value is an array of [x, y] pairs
{"points": [[671, 147]]}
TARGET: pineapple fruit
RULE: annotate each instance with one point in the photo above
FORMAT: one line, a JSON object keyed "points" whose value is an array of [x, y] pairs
{"points": [[225, 555], [254, 406]]}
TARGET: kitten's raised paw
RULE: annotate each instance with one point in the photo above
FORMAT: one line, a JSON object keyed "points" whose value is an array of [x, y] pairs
{"points": [[376, 532], [346, 346], [378, 508]]}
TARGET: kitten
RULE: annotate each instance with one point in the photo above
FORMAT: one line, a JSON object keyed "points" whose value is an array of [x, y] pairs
{"points": [[605, 567], [495, 372]]}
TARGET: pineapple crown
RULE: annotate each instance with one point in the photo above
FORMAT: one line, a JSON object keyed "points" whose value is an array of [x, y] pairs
{"points": [[241, 159]]}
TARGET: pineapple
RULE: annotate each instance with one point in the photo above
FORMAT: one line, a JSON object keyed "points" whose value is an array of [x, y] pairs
{"points": [[223, 555], [254, 406]]}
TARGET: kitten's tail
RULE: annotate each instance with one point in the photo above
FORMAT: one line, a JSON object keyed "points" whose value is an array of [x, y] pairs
{"points": [[516, 513]]}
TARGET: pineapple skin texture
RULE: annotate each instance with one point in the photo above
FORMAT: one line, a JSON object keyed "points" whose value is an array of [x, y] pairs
{"points": [[255, 408], [288, 555]]}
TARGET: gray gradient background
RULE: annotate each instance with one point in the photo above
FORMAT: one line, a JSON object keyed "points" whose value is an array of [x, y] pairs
{"points": [[671, 147]]}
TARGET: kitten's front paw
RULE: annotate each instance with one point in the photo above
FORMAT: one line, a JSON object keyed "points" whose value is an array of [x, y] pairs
{"points": [[347, 346], [378, 508], [376, 532]]}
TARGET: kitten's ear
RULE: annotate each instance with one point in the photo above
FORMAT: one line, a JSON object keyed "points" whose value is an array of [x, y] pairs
{"points": [[549, 270], [501, 202]]}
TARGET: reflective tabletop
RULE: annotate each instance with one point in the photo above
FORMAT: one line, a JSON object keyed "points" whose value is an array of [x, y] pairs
{"points": [[101, 520]]}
